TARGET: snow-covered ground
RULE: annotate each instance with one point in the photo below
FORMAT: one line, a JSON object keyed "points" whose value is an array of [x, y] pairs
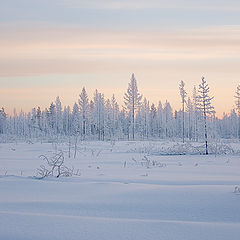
{"points": [[126, 191]]}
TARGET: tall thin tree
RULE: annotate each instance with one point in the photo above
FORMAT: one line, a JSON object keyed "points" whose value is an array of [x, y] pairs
{"points": [[84, 108], [183, 95], [59, 119], [196, 113], [237, 103], [132, 100], [205, 107]]}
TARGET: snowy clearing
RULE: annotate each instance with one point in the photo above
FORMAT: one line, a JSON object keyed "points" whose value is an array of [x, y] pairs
{"points": [[124, 192]]}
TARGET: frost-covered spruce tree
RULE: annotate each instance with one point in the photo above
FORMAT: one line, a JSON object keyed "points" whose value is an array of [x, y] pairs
{"points": [[39, 119], [237, 104], [59, 117], [66, 120], [190, 121], [142, 120], [84, 108], [111, 118], [160, 125], [115, 113], [51, 117], [183, 95], [124, 124], [153, 121], [196, 113], [75, 120], [108, 119], [99, 114], [31, 123], [146, 110], [132, 100], [168, 120], [3, 120], [205, 107]]}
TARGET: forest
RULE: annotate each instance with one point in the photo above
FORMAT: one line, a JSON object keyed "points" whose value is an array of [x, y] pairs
{"points": [[137, 119]]}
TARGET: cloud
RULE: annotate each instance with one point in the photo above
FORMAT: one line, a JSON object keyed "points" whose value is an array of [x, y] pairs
{"points": [[66, 50], [159, 58], [223, 5]]}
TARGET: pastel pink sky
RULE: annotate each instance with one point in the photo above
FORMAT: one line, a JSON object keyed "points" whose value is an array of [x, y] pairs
{"points": [[99, 46]]}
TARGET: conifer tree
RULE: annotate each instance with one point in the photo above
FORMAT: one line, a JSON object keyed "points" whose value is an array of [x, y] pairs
{"points": [[132, 100], [153, 120], [99, 114], [196, 113], [75, 120], [205, 107], [59, 118], [115, 112], [237, 103], [190, 113], [51, 115], [183, 95], [160, 120], [84, 108], [3, 118]]}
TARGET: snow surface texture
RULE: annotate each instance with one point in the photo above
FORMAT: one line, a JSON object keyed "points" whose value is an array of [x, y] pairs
{"points": [[121, 194]]}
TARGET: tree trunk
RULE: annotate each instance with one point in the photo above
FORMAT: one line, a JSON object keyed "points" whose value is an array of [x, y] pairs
{"points": [[69, 147], [133, 119], [239, 128], [183, 123], [84, 128], [75, 146], [205, 129]]}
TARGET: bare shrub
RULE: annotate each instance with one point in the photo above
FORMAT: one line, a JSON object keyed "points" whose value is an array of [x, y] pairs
{"points": [[95, 152], [55, 167], [237, 189], [146, 162]]}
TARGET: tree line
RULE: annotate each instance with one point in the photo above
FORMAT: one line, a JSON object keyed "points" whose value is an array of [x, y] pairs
{"points": [[103, 119]]}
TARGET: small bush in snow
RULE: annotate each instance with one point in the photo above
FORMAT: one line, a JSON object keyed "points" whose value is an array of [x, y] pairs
{"points": [[187, 148], [55, 167], [237, 189], [146, 162]]}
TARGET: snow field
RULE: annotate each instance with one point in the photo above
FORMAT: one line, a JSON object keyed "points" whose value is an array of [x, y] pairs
{"points": [[184, 197]]}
